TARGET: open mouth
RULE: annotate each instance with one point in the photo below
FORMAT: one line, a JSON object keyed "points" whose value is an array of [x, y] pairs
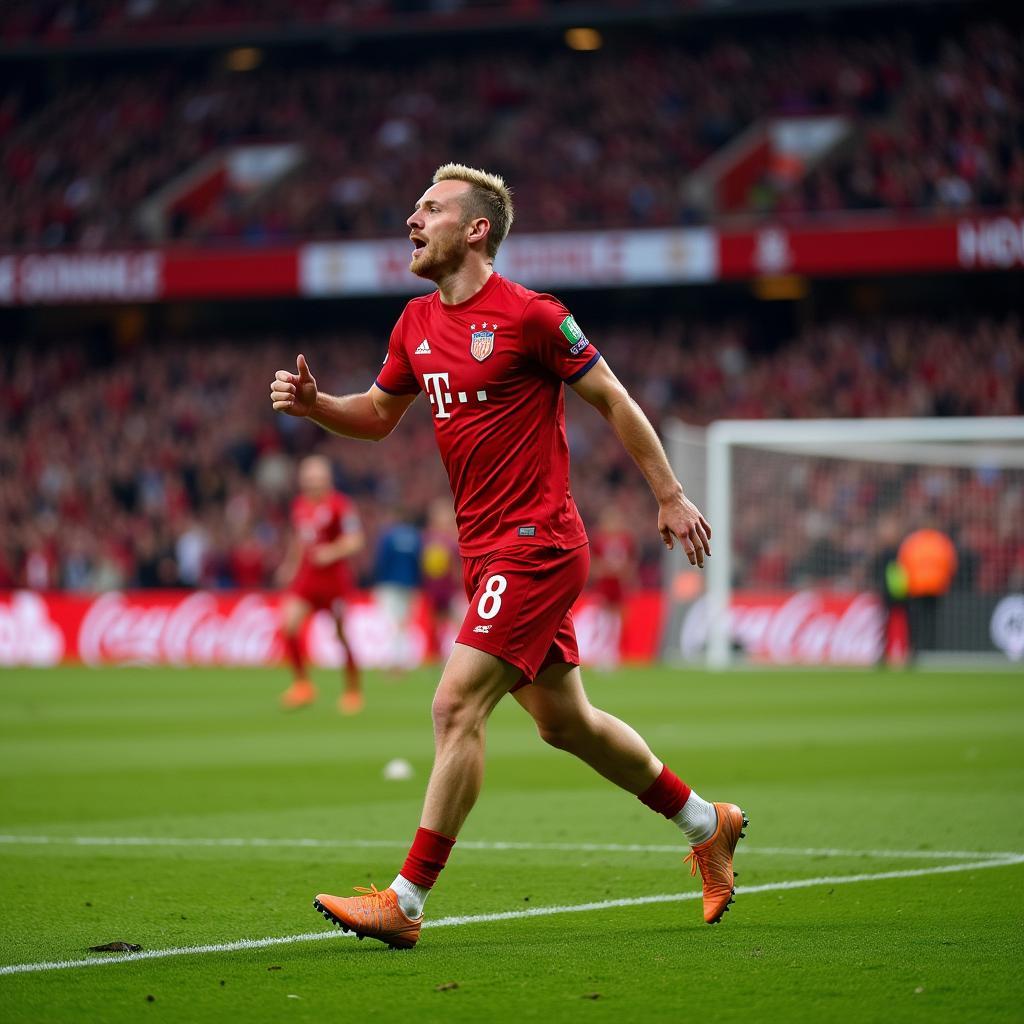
{"points": [[418, 243]]}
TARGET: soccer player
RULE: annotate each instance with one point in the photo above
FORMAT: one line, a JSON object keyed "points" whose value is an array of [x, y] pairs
{"points": [[316, 574], [396, 579], [442, 575], [492, 358], [612, 568]]}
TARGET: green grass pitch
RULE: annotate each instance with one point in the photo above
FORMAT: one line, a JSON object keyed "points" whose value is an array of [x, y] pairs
{"points": [[849, 778]]}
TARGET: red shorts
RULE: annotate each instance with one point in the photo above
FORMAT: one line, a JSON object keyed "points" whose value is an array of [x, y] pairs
{"points": [[321, 590], [520, 605]]}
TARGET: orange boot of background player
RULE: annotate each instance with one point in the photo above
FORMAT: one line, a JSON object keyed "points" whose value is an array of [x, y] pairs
{"points": [[298, 695]]}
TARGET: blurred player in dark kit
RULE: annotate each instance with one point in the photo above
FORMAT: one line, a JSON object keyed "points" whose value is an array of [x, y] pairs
{"points": [[396, 580]]}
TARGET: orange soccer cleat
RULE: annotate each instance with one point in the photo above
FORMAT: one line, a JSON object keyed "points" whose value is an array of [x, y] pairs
{"points": [[374, 914], [351, 702], [714, 859], [298, 695]]}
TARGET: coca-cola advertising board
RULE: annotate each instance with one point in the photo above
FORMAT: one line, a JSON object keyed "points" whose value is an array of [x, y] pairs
{"points": [[817, 627], [173, 627], [803, 627]]}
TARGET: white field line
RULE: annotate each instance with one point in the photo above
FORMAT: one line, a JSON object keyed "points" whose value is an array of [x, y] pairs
{"points": [[388, 844], [511, 915]]}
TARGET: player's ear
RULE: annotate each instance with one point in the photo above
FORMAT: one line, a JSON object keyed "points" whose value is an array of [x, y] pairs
{"points": [[479, 228]]}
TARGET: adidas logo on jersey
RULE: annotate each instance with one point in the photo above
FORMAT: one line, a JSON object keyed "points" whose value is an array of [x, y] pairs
{"points": [[423, 349]]}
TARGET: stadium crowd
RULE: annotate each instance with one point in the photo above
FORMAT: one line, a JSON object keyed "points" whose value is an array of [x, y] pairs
{"points": [[597, 139], [61, 21], [162, 465]]}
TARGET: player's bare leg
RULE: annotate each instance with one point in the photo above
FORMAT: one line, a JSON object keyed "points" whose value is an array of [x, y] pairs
{"points": [[351, 700], [294, 612], [566, 719], [471, 685]]}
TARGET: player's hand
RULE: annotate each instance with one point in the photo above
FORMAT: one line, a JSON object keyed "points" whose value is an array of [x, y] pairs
{"points": [[678, 517], [323, 554], [294, 393]]}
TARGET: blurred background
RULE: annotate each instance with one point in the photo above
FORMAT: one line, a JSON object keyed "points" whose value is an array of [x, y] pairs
{"points": [[757, 210]]}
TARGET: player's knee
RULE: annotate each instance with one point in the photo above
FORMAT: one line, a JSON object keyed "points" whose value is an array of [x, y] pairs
{"points": [[555, 735], [454, 715], [565, 732]]}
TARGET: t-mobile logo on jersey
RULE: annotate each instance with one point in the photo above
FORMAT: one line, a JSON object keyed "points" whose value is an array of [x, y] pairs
{"points": [[441, 397]]}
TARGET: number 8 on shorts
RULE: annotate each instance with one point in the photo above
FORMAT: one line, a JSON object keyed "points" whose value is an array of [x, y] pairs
{"points": [[490, 600]]}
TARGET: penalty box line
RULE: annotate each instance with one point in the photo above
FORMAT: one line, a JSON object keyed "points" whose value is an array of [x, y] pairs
{"points": [[510, 915], [215, 842]]}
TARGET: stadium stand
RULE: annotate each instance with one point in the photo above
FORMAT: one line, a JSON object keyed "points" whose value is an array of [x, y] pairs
{"points": [[155, 466], [602, 139]]}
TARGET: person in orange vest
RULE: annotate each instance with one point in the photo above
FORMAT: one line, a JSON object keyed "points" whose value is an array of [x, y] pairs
{"points": [[927, 560]]}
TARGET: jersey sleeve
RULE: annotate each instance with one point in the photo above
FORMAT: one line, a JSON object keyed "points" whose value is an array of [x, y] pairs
{"points": [[396, 376], [555, 339], [348, 516]]}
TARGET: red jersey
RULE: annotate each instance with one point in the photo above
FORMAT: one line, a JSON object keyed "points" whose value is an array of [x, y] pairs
{"points": [[492, 368], [614, 553], [322, 522], [614, 563]]}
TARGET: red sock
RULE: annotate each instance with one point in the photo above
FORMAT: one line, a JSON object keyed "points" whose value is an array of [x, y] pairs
{"points": [[666, 794], [293, 651], [428, 856]]}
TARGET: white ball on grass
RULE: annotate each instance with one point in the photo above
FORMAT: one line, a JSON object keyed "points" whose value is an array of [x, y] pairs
{"points": [[397, 770]]}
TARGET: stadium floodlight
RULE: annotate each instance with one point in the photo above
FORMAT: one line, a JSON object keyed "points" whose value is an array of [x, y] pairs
{"points": [[800, 507]]}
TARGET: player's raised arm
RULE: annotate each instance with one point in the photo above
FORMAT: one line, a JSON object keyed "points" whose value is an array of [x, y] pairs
{"points": [[369, 416], [677, 515]]}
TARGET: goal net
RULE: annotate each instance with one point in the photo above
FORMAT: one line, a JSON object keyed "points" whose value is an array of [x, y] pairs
{"points": [[809, 520]]}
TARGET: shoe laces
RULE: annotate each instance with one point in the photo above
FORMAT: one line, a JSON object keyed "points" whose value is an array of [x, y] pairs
{"points": [[372, 891], [691, 859]]}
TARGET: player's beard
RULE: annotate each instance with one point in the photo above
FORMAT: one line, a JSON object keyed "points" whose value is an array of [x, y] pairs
{"points": [[440, 257]]}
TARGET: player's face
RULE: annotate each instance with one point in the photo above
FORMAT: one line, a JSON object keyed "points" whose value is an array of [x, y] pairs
{"points": [[314, 478], [438, 231]]}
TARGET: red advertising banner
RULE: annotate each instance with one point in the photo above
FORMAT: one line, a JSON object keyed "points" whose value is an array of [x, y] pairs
{"points": [[598, 259], [883, 246], [803, 627], [173, 627]]}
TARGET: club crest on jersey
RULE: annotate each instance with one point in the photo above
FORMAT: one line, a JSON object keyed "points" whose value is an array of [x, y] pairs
{"points": [[481, 344]]}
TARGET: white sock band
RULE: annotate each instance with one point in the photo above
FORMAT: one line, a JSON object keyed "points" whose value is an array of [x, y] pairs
{"points": [[411, 896], [698, 819]]}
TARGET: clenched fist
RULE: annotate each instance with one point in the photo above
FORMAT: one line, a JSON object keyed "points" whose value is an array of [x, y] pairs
{"points": [[294, 393]]}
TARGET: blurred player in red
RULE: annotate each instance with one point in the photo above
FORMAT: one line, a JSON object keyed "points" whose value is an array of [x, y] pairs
{"points": [[612, 571], [492, 358], [316, 575]]}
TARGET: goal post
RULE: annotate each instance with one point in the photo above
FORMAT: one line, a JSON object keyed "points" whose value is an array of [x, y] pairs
{"points": [[799, 509]]}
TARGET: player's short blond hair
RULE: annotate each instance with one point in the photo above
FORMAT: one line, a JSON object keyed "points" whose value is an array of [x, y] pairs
{"points": [[488, 197]]}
